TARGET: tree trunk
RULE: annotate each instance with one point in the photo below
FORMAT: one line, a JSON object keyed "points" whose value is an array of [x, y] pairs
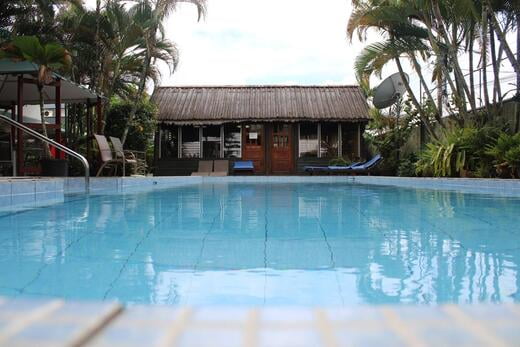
{"points": [[517, 126], [426, 89], [471, 64], [515, 62], [139, 96], [484, 43], [111, 92], [446, 78], [453, 53], [46, 149], [495, 64], [409, 90]]}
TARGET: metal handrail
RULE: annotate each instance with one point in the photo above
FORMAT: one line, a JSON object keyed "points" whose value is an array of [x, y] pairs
{"points": [[59, 146]]}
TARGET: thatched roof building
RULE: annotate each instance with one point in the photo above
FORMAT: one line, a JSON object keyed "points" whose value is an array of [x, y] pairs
{"points": [[217, 105], [279, 128]]}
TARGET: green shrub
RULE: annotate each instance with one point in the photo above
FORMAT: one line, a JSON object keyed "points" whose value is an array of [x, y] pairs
{"points": [[140, 134], [506, 155], [460, 152], [407, 166], [338, 162]]}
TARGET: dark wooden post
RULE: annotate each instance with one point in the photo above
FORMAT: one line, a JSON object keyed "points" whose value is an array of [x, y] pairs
{"points": [[99, 116], [57, 116], [89, 130], [13, 138], [19, 143]]}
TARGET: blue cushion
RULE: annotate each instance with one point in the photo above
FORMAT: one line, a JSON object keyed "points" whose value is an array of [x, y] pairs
{"points": [[243, 165]]}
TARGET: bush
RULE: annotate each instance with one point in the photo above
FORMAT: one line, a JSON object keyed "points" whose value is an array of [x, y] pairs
{"points": [[460, 152], [407, 166], [338, 162], [506, 155], [140, 134]]}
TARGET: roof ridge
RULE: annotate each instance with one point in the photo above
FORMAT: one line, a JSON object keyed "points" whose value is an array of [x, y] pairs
{"points": [[260, 86]]}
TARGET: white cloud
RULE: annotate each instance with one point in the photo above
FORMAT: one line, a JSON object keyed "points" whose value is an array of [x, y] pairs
{"points": [[262, 42]]}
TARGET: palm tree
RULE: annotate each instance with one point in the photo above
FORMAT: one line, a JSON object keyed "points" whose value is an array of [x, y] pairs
{"points": [[49, 57], [151, 18]]}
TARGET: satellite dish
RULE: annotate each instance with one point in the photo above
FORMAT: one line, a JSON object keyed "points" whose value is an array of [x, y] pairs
{"points": [[389, 91]]}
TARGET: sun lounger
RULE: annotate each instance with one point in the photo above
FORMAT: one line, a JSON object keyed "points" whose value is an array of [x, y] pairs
{"points": [[205, 168], [367, 166], [220, 168], [243, 166], [328, 169]]}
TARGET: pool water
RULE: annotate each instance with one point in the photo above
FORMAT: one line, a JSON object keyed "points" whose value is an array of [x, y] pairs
{"points": [[267, 244]]}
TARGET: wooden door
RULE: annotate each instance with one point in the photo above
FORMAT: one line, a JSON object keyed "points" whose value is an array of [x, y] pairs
{"points": [[253, 145], [281, 149]]}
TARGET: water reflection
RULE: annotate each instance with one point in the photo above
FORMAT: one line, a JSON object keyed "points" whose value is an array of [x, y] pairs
{"points": [[312, 244]]}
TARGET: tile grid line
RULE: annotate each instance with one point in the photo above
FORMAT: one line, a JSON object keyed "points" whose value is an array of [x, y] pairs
{"points": [[173, 334], [400, 328], [473, 326], [251, 328], [99, 325], [18, 325], [325, 329]]}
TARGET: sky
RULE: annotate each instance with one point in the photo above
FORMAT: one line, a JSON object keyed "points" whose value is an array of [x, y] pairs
{"points": [[262, 42]]}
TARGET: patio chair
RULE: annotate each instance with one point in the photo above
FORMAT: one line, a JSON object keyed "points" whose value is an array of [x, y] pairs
{"points": [[105, 153], [135, 158], [328, 169], [367, 166], [205, 168], [220, 168], [245, 166]]}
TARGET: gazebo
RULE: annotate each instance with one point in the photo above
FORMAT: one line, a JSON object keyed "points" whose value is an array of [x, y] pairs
{"points": [[18, 88]]}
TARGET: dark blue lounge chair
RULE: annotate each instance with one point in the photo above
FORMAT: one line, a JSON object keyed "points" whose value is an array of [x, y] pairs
{"points": [[365, 167], [244, 166], [328, 169]]}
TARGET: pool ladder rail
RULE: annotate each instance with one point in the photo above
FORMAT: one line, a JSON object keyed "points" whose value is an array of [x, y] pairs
{"points": [[51, 142]]}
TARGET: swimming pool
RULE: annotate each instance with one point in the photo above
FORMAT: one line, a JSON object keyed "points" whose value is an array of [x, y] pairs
{"points": [[257, 243]]}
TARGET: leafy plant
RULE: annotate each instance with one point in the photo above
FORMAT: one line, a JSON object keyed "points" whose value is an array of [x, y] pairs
{"points": [[407, 166], [460, 151], [338, 162], [506, 155], [142, 127]]}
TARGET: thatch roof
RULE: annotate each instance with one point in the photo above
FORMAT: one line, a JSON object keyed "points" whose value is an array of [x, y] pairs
{"points": [[9, 72], [222, 104]]}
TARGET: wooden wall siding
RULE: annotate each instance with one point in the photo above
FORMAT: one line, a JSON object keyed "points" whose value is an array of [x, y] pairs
{"points": [[217, 105]]}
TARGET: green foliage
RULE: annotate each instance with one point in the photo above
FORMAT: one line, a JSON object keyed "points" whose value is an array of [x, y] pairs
{"points": [[386, 135], [506, 155], [407, 166], [141, 131], [460, 152], [338, 162]]}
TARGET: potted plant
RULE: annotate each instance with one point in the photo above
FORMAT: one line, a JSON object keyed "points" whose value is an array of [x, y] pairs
{"points": [[48, 57]]}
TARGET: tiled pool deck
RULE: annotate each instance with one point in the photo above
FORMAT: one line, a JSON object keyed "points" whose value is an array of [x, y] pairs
{"points": [[59, 323]]}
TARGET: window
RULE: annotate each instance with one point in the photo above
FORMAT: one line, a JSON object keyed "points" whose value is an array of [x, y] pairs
{"points": [[308, 143], [349, 141], [232, 141], [211, 141], [169, 141], [329, 140], [254, 134], [190, 142]]}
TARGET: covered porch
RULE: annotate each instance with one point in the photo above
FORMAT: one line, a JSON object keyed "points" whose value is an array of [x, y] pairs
{"points": [[19, 99]]}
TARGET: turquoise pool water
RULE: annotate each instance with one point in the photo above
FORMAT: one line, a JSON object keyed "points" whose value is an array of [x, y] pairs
{"points": [[267, 244]]}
